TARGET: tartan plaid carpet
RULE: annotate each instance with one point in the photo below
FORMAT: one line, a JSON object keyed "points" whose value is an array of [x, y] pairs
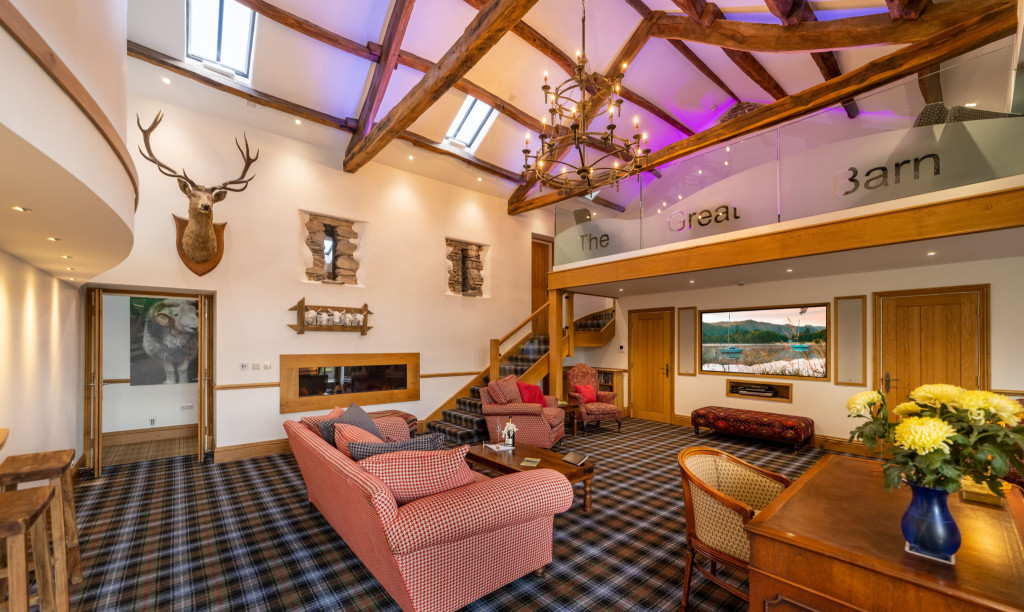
{"points": [[173, 534]]}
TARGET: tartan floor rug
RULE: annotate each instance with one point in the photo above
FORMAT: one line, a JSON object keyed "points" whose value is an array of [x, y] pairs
{"points": [[174, 534]]}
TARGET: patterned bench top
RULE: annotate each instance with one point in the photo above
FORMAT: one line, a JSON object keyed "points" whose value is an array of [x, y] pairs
{"points": [[764, 425]]}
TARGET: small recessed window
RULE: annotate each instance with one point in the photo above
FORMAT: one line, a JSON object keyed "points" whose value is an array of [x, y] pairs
{"points": [[471, 123], [220, 32]]}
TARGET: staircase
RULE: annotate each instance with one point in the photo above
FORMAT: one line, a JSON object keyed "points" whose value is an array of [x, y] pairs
{"points": [[465, 424]]}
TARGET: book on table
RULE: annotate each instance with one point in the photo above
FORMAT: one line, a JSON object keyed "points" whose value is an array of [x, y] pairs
{"points": [[530, 462], [575, 458]]}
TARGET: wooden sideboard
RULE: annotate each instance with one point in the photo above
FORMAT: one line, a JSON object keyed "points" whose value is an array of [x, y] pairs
{"points": [[832, 541]]}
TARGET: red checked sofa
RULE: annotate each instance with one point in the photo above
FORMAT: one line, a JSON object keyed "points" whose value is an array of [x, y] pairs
{"points": [[538, 425], [787, 428], [441, 552]]}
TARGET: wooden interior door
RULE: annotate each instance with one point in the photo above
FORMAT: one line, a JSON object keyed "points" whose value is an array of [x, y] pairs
{"points": [[540, 265], [932, 336], [651, 380]]}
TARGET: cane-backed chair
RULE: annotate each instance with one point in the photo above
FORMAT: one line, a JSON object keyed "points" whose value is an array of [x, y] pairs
{"points": [[721, 493]]}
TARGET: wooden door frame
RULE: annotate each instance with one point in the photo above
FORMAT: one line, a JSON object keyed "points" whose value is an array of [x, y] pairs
{"points": [[984, 327], [672, 355], [93, 370]]}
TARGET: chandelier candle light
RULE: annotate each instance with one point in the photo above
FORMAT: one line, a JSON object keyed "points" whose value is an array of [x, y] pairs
{"points": [[945, 436], [573, 105]]}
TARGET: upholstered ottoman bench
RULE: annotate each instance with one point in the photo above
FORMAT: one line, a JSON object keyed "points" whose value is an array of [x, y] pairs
{"points": [[787, 428]]}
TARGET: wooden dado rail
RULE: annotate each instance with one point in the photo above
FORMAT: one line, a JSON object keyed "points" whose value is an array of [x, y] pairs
{"points": [[497, 342]]}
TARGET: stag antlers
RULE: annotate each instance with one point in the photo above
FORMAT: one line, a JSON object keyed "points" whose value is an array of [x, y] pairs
{"points": [[166, 170]]}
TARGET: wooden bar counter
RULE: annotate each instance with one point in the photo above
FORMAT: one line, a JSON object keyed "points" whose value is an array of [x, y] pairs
{"points": [[832, 541]]}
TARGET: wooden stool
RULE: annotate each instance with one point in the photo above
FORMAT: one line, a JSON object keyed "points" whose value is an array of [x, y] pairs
{"points": [[21, 511], [54, 466]]}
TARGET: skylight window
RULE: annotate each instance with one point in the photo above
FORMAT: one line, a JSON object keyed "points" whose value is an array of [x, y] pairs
{"points": [[220, 32], [471, 123]]}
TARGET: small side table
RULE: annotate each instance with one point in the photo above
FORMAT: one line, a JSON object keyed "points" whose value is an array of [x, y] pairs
{"points": [[571, 411]]}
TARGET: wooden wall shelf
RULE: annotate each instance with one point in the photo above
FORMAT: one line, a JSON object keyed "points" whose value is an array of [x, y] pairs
{"points": [[300, 326], [780, 392]]}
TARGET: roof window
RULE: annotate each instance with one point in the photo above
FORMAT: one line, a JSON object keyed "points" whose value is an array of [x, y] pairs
{"points": [[471, 123], [220, 34]]}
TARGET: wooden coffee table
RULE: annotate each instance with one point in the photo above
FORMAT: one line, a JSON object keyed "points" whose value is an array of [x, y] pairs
{"points": [[507, 462]]}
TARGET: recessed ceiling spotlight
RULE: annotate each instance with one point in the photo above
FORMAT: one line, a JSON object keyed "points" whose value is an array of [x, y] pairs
{"points": [[411, 157], [298, 122], [53, 238], [166, 80], [789, 269], [69, 268], [726, 163], [727, 149], [65, 257], [930, 253], [699, 171], [680, 196], [479, 178], [21, 209], [593, 214], [971, 104], [72, 278], [621, 290], [692, 281]]}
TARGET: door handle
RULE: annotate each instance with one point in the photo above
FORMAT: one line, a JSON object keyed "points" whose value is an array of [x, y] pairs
{"points": [[666, 370], [888, 380]]}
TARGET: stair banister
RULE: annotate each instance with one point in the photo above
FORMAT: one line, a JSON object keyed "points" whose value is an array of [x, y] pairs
{"points": [[495, 352], [569, 298]]}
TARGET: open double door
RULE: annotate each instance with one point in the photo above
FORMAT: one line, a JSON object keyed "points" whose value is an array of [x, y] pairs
{"points": [[148, 370]]}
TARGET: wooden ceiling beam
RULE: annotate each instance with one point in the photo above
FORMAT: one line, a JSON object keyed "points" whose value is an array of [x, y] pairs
{"points": [[907, 9], [486, 29], [310, 29], [608, 204], [233, 87], [707, 13], [964, 36], [863, 31], [795, 12], [401, 11]]}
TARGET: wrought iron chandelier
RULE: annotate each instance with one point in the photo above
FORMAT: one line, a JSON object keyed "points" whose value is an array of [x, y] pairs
{"points": [[562, 160]]}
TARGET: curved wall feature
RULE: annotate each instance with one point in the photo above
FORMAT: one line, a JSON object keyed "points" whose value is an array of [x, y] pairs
{"points": [[36, 46]]}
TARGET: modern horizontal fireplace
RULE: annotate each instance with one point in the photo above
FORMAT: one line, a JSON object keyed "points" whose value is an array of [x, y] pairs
{"points": [[321, 382]]}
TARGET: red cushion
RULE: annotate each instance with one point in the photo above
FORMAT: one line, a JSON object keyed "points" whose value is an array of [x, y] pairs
{"points": [[414, 474], [531, 393], [393, 428], [345, 433], [313, 422], [588, 393]]}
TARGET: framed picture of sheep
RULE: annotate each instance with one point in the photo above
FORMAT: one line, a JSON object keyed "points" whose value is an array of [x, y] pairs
{"points": [[164, 341]]}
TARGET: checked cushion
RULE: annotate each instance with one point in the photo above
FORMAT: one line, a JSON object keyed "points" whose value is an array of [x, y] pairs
{"points": [[393, 428], [365, 450], [414, 474], [764, 425], [505, 390], [345, 434], [313, 422]]}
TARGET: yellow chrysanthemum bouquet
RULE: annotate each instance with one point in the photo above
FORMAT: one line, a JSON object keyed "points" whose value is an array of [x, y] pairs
{"points": [[945, 433]]}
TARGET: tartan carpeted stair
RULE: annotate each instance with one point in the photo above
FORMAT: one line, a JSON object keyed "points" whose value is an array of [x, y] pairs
{"points": [[594, 321], [465, 424]]}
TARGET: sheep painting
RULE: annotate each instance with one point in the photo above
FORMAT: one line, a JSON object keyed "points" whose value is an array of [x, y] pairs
{"points": [[169, 339]]}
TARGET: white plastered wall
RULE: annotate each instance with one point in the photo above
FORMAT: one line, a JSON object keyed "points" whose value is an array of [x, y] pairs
{"points": [[403, 221], [40, 360], [821, 400]]}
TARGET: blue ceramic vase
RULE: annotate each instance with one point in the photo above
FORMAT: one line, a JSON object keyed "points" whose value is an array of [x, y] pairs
{"points": [[928, 526]]}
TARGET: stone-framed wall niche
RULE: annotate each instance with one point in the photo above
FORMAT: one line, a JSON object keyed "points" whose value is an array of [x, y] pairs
{"points": [[465, 264], [343, 267]]}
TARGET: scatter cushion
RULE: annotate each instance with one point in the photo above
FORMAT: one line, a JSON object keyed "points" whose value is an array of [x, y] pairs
{"points": [[355, 415], [365, 450], [505, 390], [414, 474], [588, 393], [531, 394], [345, 434], [313, 422], [394, 428]]}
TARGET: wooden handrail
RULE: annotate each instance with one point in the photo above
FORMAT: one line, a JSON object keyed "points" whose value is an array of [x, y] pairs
{"points": [[516, 329]]}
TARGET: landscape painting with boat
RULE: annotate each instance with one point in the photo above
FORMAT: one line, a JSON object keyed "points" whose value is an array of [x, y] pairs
{"points": [[781, 341]]}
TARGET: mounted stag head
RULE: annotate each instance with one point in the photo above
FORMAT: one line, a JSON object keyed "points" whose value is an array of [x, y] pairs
{"points": [[199, 239]]}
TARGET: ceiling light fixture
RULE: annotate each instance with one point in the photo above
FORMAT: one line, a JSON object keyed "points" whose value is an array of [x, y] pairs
{"points": [[53, 238], [68, 268], [21, 209], [789, 269], [573, 105], [65, 257], [930, 253], [971, 104], [166, 80], [298, 122], [479, 178], [692, 281], [411, 157], [71, 279], [621, 290]]}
